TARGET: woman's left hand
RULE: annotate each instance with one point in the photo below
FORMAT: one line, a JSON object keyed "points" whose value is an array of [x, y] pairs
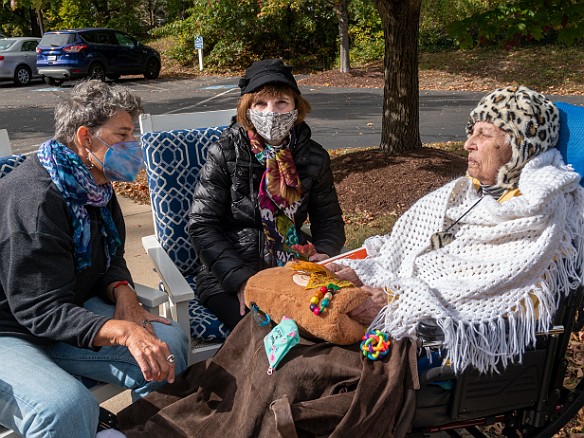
{"points": [[129, 309], [365, 313], [318, 257], [241, 298], [345, 273]]}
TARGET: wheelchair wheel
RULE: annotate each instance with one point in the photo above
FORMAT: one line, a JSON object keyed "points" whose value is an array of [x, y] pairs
{"points": [[574, 402]]}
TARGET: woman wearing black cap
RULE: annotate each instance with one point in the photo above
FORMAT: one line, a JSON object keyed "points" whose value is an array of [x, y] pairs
{"points": [[261, 181]]}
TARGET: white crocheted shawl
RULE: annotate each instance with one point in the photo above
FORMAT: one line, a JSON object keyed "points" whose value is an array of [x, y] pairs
{"points": [[501, 279]]}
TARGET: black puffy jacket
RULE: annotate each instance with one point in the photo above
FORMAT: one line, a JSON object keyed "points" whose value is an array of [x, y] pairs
{"points": [[224, 222]]}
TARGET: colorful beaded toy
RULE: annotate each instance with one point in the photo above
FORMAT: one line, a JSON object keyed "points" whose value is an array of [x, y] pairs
{"points": [[322, 298], [375, 344]]}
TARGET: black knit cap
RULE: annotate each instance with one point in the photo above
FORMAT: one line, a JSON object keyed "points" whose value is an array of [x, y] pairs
{"points": [[264, 72]]}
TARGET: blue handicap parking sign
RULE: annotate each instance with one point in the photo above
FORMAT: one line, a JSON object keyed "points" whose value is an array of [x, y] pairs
{"points": [[198, 42]]}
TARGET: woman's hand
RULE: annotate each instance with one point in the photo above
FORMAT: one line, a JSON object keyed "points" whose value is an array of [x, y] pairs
{"points": [[345, 273], [129, 309], [153, 355], [369, 309], [318, 257], [241, 298]]}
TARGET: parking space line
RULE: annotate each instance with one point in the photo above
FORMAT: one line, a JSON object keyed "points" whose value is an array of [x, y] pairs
{"points": [[45, 89], [136, 86], [201, 102]]}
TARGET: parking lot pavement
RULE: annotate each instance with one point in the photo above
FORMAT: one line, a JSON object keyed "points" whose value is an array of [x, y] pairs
{"points": [[340, 117]]}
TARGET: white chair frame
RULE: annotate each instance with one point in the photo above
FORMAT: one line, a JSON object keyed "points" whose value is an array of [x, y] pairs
{"points": [[178, 289], [170, 122], [5, 148]]}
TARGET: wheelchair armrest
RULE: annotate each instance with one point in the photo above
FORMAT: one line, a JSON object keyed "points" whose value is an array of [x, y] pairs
{"points": [[429, 334], [429, 331], [174, 282], [437, 374]]}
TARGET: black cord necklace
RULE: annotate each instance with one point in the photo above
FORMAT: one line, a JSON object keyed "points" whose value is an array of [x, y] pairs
{"points": [[442, 238]]}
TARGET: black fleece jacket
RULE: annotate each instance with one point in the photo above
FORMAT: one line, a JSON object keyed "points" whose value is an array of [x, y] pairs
{"points": [[41, 294], [224, 222]]}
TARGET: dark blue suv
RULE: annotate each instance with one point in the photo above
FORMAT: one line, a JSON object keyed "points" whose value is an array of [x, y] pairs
{"points": [[94, 52]]}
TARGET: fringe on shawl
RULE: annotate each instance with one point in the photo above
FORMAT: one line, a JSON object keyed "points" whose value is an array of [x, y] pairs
{"points": [[490, 344]]}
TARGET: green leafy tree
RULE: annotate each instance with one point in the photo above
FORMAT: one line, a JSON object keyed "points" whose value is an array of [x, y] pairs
{"points": [[341, 10], [365, 31], [22, 17], [513, 23], [436, 16], [238, 32], [57, 14]]}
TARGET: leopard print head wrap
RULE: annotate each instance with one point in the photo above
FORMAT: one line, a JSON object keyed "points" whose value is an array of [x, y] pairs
{"points": [[531, 120]]}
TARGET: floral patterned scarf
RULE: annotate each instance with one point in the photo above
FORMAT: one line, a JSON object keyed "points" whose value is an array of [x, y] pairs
{"points": [[79, 189], [279, 196]]}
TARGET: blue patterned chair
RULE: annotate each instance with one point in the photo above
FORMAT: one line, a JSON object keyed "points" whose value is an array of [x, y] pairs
{"points": [[173, 160], [8, 163]]}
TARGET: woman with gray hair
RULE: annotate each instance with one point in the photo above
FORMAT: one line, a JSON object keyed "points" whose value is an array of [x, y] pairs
{"points": [[67, 303]]}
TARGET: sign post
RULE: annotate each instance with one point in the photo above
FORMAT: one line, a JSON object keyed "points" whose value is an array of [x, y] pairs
{"points": [[199, 47]]}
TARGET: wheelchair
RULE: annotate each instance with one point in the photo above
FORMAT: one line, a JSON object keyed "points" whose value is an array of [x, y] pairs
{"points": [[528, 399]]}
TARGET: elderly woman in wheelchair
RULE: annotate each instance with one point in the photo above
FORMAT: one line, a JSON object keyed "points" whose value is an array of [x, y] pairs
{"points": [[487, 258], [67, 305], [490, 255]]}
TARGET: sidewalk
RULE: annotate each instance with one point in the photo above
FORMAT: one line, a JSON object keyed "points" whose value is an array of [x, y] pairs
{"points": [[138, 220]]}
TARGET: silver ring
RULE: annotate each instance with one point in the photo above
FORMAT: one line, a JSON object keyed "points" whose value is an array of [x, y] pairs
{"points": [[145, 323], [170, 359]]}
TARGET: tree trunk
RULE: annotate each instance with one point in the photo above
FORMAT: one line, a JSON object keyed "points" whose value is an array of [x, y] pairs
{"points": [[342, 9], [400, 130], [36, 22]]}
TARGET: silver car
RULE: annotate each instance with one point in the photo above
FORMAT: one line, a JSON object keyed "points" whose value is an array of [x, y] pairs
{"points": [[18, 59]]}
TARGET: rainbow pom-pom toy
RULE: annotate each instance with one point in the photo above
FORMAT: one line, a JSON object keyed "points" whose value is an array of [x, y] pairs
{"points": [[375, 344]]}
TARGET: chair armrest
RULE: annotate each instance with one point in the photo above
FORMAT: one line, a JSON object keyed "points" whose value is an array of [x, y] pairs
{"points": [[149, 297], [175, 284]]}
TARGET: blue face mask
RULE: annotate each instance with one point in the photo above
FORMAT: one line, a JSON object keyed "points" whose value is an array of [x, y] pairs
{"points": [[122, 160]]}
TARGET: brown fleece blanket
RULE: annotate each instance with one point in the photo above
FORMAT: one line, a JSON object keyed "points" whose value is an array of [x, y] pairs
{"points": [[319, 389]]}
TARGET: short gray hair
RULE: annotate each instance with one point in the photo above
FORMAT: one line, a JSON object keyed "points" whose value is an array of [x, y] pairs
{"points": [[92, 103]]}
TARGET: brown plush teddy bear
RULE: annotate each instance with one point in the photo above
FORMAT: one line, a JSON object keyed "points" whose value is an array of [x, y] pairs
{"points": [[282, 292]]}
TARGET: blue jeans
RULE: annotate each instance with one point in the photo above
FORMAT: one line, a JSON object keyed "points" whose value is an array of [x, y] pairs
{"points": [[40, 398]]}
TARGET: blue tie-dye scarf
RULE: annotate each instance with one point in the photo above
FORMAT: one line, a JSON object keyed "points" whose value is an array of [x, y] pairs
{"points": [[79, 189]]}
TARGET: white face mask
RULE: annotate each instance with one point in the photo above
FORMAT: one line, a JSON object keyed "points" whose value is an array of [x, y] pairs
{"points": [[273, 127]]}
